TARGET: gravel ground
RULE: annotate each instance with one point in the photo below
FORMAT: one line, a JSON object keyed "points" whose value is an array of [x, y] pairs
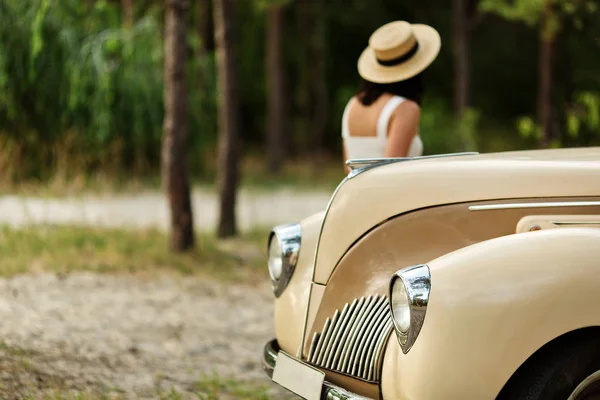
{"points": [[135, 335], [132, 335]]}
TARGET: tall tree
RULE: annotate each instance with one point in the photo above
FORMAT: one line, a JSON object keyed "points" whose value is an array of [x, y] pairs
{"points": [[229, 115], [312, 93], [275, 72], [461, 39], [319, 100], [465, 19], [545, 68], [127, 11], [204, 26], [174, 146], [547, 15]]}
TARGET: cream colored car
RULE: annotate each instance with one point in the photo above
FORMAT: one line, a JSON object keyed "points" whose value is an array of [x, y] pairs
{"points": [[461, 276]]}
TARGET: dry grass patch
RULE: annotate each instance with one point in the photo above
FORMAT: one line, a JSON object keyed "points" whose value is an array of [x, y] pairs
{"points": [[63, 249]]}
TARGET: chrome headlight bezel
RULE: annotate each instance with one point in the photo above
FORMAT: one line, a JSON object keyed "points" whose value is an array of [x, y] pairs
{"points": [[289, 238], [417, 283]]}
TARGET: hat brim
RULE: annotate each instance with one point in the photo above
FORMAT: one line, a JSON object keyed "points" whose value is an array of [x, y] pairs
{"points": [[429, 47]]}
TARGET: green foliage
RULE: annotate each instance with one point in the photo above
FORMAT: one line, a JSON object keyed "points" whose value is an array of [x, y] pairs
{"points": [[441, 132], [582, 122], [532, 12], [584, 114], [528, 11], [528, 128], [80, 94], [37, 39], [263, 5], [92, 95]]}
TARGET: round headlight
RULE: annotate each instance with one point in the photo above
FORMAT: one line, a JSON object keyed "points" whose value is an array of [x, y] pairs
{"points": [[400, 305], [282, 255], [409, 297], [275, 260]]}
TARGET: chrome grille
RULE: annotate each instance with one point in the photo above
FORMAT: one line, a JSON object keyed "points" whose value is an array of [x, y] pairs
{"points": [[351, 341]]}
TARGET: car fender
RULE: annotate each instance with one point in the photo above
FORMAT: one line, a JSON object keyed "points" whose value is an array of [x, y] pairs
{"points": [[491, 306], [291, 307]]}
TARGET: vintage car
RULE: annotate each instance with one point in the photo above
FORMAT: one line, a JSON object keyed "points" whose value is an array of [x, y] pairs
{"points": [[461, 276]]}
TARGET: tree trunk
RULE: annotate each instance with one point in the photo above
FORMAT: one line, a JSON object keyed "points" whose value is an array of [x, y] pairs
{"points": [[302, 84], [127, 10], [204, 26], [275, 86], [460, 36], [316, 69], [174, 146], [544, 99], [229, 115]]}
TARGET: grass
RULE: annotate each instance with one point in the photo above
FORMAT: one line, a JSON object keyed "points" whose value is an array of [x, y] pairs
{"points": [[207, 388], [215, 387], [302, 175], [63, 249]]}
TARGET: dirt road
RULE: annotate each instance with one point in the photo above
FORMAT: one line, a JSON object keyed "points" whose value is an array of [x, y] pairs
{"points": [[149, 210]]}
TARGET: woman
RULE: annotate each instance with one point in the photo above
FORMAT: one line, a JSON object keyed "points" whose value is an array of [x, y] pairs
{"points": [[382, 119]]}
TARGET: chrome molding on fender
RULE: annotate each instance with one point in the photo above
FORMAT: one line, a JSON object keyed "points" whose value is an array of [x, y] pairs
{"points": [[359, 165], [506, 206], [352, 341]]}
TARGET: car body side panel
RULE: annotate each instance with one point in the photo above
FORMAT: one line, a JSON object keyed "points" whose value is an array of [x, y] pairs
{"points": [[491, 306], [373, 196], [415, 238], [292, 305]]}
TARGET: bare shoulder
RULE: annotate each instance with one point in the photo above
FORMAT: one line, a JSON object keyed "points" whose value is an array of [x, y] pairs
{"points": [[408, 112], [407, 108]]}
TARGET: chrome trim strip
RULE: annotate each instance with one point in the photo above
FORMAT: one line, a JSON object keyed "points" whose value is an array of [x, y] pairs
{"points": [[352, 360], [417, 281], [506, 206], [329, 391], [359, 165], [319, 347], [355, 360], [339, 331], [574, 222], [365, 350], [334, 392], [348, 344], [290, 239], [348, 339], [327, 337], [368, 354], [381, 345]]}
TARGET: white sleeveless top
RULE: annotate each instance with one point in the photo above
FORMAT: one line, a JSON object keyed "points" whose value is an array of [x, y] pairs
{"points": [[374, 146]]}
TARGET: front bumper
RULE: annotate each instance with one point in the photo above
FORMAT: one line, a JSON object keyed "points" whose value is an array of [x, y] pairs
{"points": [[329, 391]]}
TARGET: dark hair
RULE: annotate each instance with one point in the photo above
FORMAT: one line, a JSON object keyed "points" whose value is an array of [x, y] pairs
{"points": [[411, 89]]}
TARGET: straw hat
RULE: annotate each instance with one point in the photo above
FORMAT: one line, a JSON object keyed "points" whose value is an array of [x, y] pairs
{"points": [[398, 51]]}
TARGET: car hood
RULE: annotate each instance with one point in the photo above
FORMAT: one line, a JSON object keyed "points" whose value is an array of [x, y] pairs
{"points": [[364, 200]]}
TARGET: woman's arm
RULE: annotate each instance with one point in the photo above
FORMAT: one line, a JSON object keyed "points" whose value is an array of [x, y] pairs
{"points": [[402, 129], [346, 169]]}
